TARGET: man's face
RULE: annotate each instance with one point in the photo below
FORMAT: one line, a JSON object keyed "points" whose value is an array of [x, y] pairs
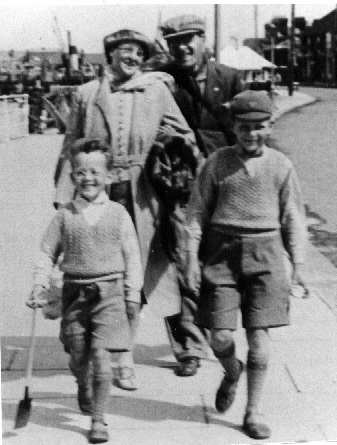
{"points": [[127, 59], [187, 50], [251, 135]]}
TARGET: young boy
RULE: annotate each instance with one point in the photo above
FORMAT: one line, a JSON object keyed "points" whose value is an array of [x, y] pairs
{"points": [[102, 277], [249, 197]]}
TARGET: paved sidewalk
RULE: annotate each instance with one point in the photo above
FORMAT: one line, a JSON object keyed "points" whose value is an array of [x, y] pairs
{"points": [[301, 390]]}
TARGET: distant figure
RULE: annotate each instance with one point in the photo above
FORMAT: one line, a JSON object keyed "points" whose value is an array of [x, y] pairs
{"points": [[247, 204]]}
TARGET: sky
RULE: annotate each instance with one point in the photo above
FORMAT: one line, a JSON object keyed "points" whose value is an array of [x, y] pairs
{"points": [[29, 25]]}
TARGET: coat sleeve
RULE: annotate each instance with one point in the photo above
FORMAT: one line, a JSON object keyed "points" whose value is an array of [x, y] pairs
{"points": [[174, 122]]}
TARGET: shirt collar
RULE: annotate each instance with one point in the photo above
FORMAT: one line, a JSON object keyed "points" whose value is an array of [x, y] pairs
{"points": [[81, 203], [201, 75]]}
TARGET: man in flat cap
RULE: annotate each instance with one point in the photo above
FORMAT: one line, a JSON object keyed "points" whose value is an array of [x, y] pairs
{"points": [[203, 88]]}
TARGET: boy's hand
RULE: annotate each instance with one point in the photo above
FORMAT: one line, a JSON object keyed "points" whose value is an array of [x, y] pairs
{"points": [[37, 298], [298, 279], [192, 273], [132, 309]]}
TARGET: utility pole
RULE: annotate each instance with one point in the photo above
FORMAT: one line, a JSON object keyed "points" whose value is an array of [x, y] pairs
{"points": [[217, 33], [334, 49], [256, 32], [291, 53]]}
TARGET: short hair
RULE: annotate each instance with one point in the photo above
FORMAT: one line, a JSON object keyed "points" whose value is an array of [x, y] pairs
{"points": [[85, 145]]}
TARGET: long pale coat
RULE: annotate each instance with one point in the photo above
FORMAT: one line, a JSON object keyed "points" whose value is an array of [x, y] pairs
{"points": [[129, 119]]}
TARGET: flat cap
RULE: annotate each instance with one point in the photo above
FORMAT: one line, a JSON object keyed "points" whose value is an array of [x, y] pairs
{"points": [[252, 105], [183, 24], [111, 41]]}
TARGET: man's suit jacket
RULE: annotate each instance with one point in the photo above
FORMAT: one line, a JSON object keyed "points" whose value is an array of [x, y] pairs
{"points": [[211, 123]]}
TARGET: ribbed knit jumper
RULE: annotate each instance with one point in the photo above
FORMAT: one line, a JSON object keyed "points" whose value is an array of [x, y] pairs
{"points": [[88, 251], [259, 193]]}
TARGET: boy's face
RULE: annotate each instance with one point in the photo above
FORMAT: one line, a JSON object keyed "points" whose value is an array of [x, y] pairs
{"points": [[90, 174], [252, 135]]}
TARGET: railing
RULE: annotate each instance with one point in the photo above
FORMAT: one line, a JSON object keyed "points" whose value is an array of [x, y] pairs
{"points": [[14, 112]]}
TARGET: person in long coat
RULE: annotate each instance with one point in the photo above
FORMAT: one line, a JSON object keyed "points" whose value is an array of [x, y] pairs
{"points": [[130, 110]]}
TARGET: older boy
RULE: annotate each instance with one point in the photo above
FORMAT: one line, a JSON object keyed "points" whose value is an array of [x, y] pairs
{"points": [[249, 197], [102, 277]]}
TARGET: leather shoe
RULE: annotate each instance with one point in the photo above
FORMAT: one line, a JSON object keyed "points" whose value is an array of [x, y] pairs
{"points": [[226, 393], [254, 428], [98, 432], [188, 367]]}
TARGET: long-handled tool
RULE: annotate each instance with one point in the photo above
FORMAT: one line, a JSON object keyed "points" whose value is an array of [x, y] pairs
{"points": [[24, 407]]}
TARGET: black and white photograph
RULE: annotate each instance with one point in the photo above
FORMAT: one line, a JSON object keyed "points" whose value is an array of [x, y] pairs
{"points": [[169, 223]]}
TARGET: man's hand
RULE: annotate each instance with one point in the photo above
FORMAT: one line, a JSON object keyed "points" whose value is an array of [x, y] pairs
{"points": [[37, 298], [192, 272], [298, 279]]}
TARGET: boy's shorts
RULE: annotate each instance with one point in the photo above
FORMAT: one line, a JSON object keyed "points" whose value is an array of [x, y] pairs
{"points": [[97, 313], [246, 272]]}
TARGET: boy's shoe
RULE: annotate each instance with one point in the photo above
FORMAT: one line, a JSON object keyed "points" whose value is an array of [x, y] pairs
{"points": [[84, 399], [125, 378], [226, 393], [255, 428], [188, 367], [98, 433]]}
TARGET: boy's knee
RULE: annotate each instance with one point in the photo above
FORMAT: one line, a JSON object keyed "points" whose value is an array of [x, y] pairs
{"points": [[258, 353], [101, 363], [222, 342]]}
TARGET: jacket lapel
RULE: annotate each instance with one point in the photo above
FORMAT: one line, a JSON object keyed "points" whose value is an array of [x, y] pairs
{"points": [[102, 101], [214, 85]]}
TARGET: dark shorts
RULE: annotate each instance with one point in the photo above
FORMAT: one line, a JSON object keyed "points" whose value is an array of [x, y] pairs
{"points": [[247, 273], [97, 313]]}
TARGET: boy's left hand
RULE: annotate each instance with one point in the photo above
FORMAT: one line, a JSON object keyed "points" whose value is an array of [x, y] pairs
{"points": [[132, 309], [299, 279]]}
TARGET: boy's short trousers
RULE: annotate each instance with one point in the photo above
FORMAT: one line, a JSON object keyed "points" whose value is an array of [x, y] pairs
{"points": [[97, 312], [246, 272]]}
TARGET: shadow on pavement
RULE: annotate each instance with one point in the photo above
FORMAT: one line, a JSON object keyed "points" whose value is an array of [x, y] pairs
{"points": [[56, 417], [325, 241], [147, 410]]}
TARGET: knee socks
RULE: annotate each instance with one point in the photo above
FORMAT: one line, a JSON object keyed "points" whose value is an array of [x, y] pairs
{"points": [[101, 383], [257, 364], [224, 351], [79, 360]]}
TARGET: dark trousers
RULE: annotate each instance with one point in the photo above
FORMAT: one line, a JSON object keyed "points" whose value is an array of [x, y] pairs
{"points": [[186, 337]]}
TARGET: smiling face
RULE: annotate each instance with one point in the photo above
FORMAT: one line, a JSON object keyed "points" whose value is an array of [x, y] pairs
{"points": [[90, 174], [251, 135], [126, 60], [187, 50]]}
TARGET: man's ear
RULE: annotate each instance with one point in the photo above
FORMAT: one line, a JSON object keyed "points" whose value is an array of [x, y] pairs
{"points": [[72, 177]]}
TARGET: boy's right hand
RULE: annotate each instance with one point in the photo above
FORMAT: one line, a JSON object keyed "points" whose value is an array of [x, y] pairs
{"points": [[37, 297], [193, 273]]}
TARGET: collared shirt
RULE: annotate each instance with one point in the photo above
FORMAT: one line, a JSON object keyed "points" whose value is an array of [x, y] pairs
{"points": [[92, 210], [201, 78]]}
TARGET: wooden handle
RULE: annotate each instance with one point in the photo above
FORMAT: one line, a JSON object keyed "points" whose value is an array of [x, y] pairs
{"points": [[31, 349]]}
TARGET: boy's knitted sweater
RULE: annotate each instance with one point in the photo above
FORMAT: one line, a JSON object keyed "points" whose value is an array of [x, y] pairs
{"points": [[106, 249], [257, 194]]}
